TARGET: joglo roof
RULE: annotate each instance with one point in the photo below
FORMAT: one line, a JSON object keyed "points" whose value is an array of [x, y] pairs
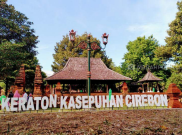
{"points": [[149, 77], [77, 68]]}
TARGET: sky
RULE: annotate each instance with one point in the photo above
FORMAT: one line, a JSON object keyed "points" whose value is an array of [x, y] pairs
{"points": [[123, 20]]}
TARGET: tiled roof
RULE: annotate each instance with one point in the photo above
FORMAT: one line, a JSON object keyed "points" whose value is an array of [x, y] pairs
{"points": [[149, 77], [77, 68]]}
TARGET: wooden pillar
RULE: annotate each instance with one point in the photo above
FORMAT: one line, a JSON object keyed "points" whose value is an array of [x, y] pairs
{"points": [[148, 87], [70, 89], [157, 87], [52, 89], [152, 86], [143, 88], [107, 88]]}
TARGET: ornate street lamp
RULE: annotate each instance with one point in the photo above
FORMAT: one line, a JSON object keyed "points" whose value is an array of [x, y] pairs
{"points": [[105, 38], [72, 35], [89, 46]]}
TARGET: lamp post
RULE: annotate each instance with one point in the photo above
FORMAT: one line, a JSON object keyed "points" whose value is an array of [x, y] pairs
{"points": [[89, 46]]}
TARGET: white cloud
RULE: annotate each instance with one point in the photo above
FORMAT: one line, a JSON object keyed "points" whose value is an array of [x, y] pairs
{"points": [[158, 26], [42, 47], [48, 73], [158, 30]]}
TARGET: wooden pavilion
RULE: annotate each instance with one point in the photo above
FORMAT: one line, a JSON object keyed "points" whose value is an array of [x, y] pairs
{"points": [[74, 76], [149, 78]]}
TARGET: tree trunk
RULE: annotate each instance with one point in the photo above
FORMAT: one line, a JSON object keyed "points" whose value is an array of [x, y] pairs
{"points": [[6, 82]]}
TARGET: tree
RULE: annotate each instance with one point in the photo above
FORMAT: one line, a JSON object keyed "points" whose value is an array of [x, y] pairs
{"points": [[141, 57], [66, 49], [12, 56], [176, 77], [30, 66], [172, 51], [17, 41], [16, 28], [15, 34]]}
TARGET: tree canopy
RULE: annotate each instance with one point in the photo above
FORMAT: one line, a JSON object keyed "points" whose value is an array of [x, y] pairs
{"points": [[65, 49], [17, 45], [12, 56], [16, 28], [172, 51], [30, 67], [17, 39], [141, 57]]}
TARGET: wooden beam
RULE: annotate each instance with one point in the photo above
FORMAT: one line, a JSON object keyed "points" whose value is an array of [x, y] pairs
{"points": [[143, 88], [157, 87], [148, 87], [107, 88], [70, 89]]}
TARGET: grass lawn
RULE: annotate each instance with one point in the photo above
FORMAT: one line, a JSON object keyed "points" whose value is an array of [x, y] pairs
{"points": [[77, 110]]}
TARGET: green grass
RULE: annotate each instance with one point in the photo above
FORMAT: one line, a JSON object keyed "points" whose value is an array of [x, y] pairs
{"points": [[132, 108], [49, 110]]}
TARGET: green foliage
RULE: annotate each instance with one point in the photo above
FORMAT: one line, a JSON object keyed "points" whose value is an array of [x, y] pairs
{"points": [[17, 45], [16, 28], [65, 49], [172, 51], [140, 51], [175, 78], [3, 85], [17, 39], [12, 55], [141, 57], [30, 66], [117, 69]]}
